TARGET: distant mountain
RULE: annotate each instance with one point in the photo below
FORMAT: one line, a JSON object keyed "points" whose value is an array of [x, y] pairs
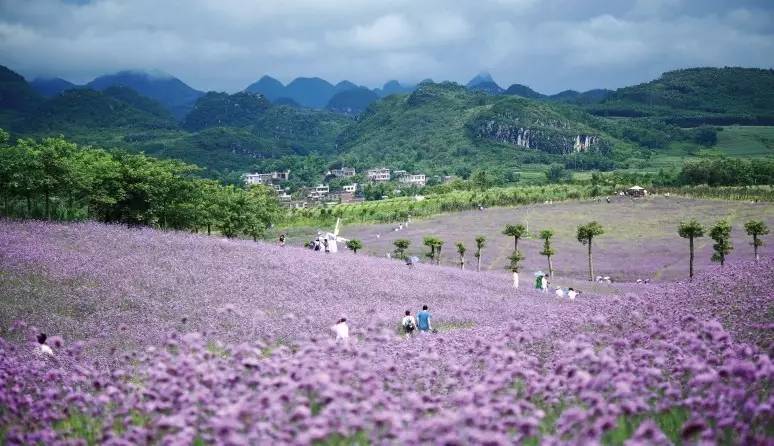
{"points": [[352, 102], [286, 101], [85, 111], [480, 78], [695, 96], [310, 91], [393, 87], [344, 86], [170, 91], [576, 97], [523, 91], [271, 88], [15, 92], [487, 87], [138, 101], [225, 110], [48, 87]]}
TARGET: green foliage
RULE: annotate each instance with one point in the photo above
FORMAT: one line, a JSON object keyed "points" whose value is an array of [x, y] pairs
{"points": [[53, 178], [690, 229], [587, 232], [547, 235], [721, 234], [557, 173], [728, 172], [355, 245], [434, 244], [224, 110], [517, 232], [756, 228], [514, 261], [480, 244], [401, 245]]}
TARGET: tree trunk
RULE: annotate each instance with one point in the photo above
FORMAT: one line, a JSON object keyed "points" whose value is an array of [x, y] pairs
{"points": [[591, 264], [690, 262], [515, 244], [462, 263], [550, 268], [515, 279], [209, 229], [47, 207], [478, 263], [755, 246], [29, 205]]}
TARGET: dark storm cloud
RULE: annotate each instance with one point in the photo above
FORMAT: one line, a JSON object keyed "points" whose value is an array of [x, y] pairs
{"points": [[226, 44]]}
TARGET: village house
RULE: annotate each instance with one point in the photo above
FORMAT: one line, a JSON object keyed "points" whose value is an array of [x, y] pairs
{"points": [[380, 174], [398, 173], [418, 179], [265, 178], [343, 172], [319, 192], [351, 188]]}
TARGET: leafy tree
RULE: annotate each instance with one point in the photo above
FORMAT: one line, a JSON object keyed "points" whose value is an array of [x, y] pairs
{"points": [[517, 232], [548, 250], [514, 265], [434, 244], [438, 246], [756, 228], [401, 245], [691, 230], [480, 243], [585, 235], [721, 234], [557, 173], [354, 245], [461, 251]]}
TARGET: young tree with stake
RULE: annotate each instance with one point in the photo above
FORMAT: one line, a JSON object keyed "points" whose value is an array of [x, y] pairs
{"points": [[548, 250], [401, 245], [585, 235], [480, 243], [514, 266], [517, 232], [756, 228], [461, 251], [691, 230], [721, 234], [432, 243], [354, 245]]}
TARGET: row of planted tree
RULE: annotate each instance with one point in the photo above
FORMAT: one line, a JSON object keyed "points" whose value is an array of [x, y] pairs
{"points": [[692, 229], [58, 180]]}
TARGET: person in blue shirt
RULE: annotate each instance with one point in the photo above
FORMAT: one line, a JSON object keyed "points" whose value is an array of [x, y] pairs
{"points": [[423, 320]]}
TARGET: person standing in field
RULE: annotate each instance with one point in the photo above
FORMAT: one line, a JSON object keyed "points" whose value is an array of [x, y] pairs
{"points": [[327, 246], [571, 293], [408, 323], [559, 292], [282, 239], [423, 320], [538, 281], [544, 283], [341, 329]]}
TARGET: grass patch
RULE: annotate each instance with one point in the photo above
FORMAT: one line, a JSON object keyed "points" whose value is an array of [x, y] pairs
{"points": [[81, 427], [359, 438]]}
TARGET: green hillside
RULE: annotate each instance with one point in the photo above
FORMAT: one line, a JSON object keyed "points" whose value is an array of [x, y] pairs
{"points": [[698, 96]]}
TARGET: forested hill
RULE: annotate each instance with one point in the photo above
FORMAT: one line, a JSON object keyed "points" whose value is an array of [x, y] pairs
{"points": [[437, 128], [698, 95]]}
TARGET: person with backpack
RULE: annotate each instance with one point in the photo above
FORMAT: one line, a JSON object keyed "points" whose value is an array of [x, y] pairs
{"points": [[282, 239], [408, 323], [423, 320]]}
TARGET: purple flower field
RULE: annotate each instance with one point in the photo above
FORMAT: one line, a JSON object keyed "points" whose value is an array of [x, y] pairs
{"points": [[640, 240], [170, 338]]}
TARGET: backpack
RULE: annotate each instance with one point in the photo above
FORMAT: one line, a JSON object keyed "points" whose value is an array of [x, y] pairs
{"points": [[409, 326]]}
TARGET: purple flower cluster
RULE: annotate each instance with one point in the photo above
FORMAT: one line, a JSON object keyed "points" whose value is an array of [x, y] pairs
{"points": [[254, 363]]}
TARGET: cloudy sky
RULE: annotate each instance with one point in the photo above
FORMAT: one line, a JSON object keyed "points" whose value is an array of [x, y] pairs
{"points": [[550, 45]]}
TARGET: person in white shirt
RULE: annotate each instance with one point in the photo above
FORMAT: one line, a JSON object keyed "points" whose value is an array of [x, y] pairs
{"points": [[559, 292], [43, 348], [544, 284], [341, 329], [571, 294], [408, 323]]}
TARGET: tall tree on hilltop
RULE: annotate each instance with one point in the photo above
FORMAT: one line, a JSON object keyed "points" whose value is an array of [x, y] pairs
{"points": [[691, 230], [756, 228], [480, 243], [721, 234], [461, 251], [585, 235], [517, 232], [548, 250]]}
